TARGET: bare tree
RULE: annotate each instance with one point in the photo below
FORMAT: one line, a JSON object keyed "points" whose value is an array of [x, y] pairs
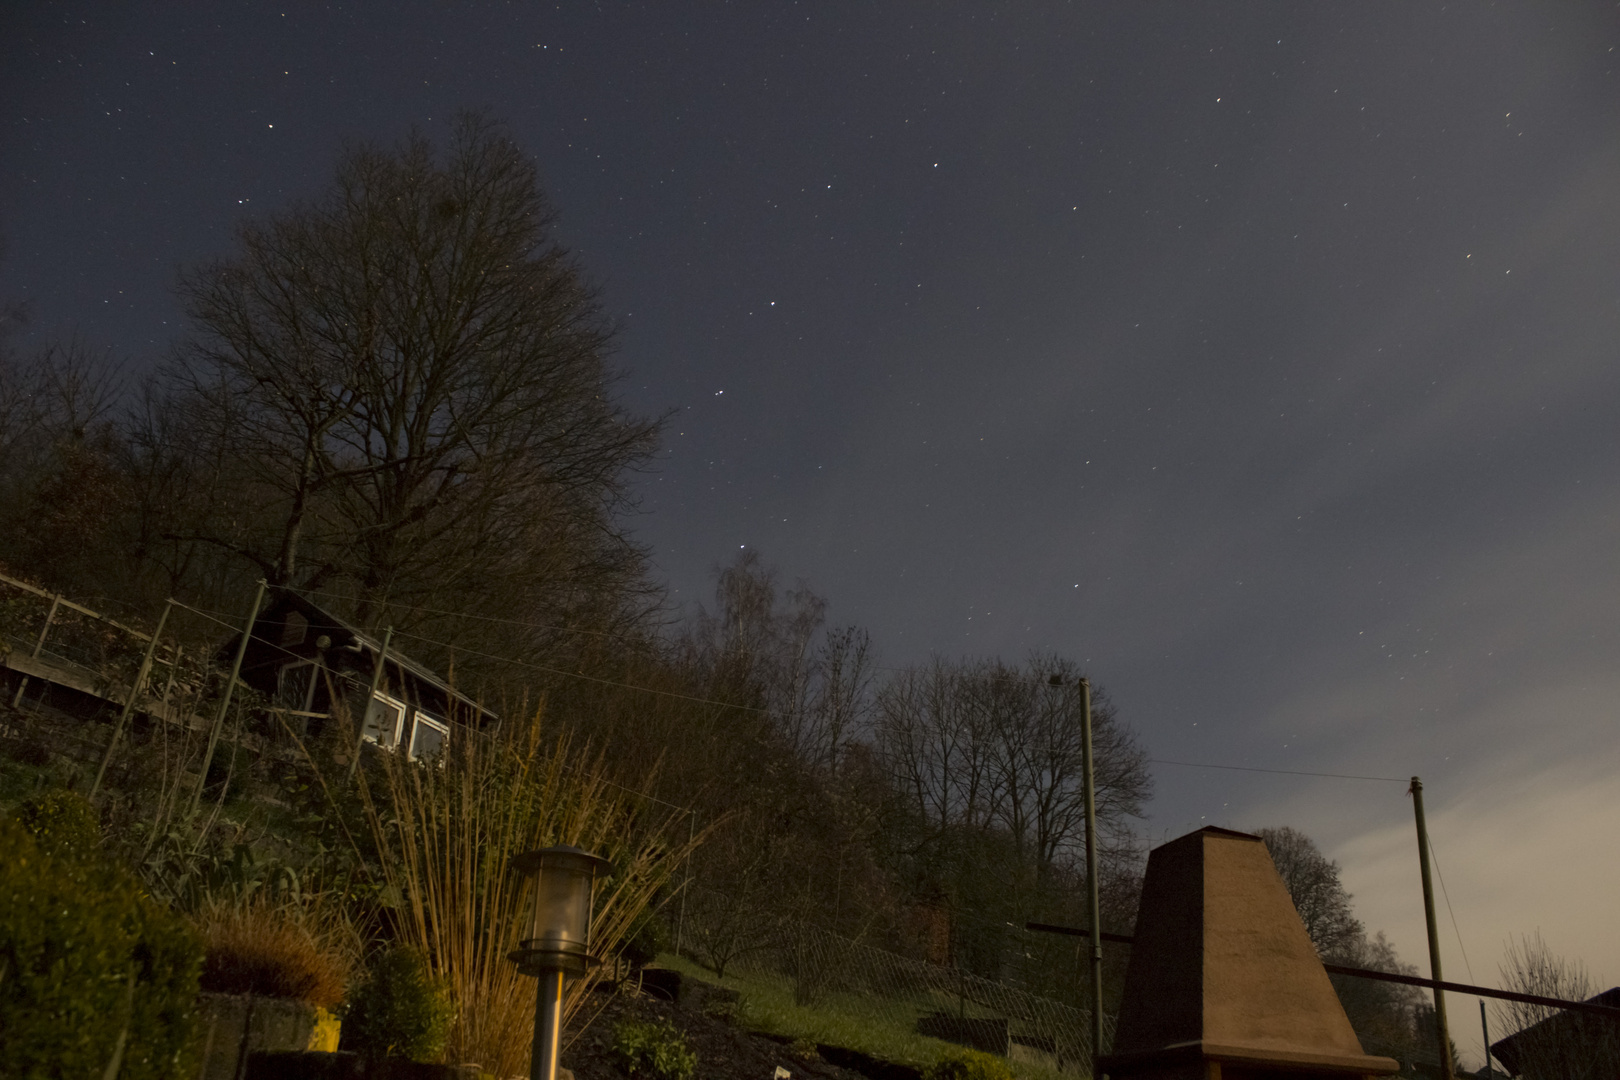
{"points": [[815, 683], [1319, 896], [398, 393], [981, 745], [61, 491], [841, 701], [1547, 1042], [937, 748]]}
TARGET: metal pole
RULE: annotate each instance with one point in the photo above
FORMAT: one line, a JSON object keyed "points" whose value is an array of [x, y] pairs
{"points": [[1485, 1033], [174, 669], [1093, 909], [1441, 1030], [686, 886], [376, 684], [56, 601], [129, 703], [225, 699], [548, 999]]}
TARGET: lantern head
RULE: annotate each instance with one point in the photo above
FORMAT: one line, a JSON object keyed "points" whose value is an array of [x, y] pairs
{"points": [[559, 932]]}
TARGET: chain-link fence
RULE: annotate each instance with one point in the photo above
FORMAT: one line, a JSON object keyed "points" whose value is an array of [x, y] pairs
{"points": [[819, 972]]}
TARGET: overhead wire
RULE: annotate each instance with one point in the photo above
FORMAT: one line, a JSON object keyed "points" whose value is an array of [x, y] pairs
{"points": [[547, 669], [581, 675], [1454, 928], [1283, 772], [470, 615]]}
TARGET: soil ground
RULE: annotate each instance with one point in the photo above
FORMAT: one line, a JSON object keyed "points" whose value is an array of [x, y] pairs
{"points": [[724, 1051]]}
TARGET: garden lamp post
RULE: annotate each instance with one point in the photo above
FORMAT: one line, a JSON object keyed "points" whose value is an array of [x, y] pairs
{"points": [[559, 940]]}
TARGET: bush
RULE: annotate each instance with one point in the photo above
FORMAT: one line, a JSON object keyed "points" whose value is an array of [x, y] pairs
{"points": [[967, 1064], [260, 948], [398, 1010], [647, 1050], [63, 824], [648, 936], [90, 969]]}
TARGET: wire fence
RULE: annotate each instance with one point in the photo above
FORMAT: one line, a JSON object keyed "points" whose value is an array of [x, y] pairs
{"points": [[837, 977]]}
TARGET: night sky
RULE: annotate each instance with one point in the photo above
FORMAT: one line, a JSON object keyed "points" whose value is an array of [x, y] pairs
{"points": [[1263, 357]]}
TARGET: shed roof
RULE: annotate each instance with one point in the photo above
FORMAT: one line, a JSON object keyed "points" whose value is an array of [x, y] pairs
{"points": [[347, 636]]}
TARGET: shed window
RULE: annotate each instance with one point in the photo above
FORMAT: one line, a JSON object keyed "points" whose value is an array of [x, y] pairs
{"points": [[429, 735], [384, 717]]}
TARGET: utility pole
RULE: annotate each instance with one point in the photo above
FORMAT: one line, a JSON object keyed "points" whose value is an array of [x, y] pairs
{"points": [[1093, 909], [1441, 1029], [129, 702], [1485, 1033], [225, 697]]}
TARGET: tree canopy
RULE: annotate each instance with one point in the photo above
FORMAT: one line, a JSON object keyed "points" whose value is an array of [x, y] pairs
{"points": [[398, 395]]}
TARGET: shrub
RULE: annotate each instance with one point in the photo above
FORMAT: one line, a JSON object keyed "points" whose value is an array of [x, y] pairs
{"points": [[967, 1064], [90, 969], [398, 1010], [260, 948], [648, 1050], [648, 936], [62, 823]]}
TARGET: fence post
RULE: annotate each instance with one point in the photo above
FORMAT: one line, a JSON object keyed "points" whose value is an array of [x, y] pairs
{"points": [[225, 699], [129, 702], [174, 669], [686, 886], [56, 602]]}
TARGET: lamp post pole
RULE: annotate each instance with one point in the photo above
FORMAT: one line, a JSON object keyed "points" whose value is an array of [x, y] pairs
{"points": [[548, 1001], [558, 943]]}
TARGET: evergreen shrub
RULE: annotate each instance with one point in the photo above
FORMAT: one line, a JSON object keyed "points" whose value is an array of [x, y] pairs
{"points": [[63, 824], [965, 1064], [90, 968], [649, 1050], [398, 1010]]}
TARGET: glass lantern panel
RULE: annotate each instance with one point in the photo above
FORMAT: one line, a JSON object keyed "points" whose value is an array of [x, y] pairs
{"points": [[562, 909]]}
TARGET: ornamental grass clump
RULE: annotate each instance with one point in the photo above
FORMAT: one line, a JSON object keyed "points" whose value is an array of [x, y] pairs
{"points": [[445, 835], [95, 978], [263, 948]]}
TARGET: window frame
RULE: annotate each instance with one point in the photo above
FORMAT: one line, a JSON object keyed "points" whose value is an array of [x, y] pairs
{"points": [[399, 722], [419, 718]]}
